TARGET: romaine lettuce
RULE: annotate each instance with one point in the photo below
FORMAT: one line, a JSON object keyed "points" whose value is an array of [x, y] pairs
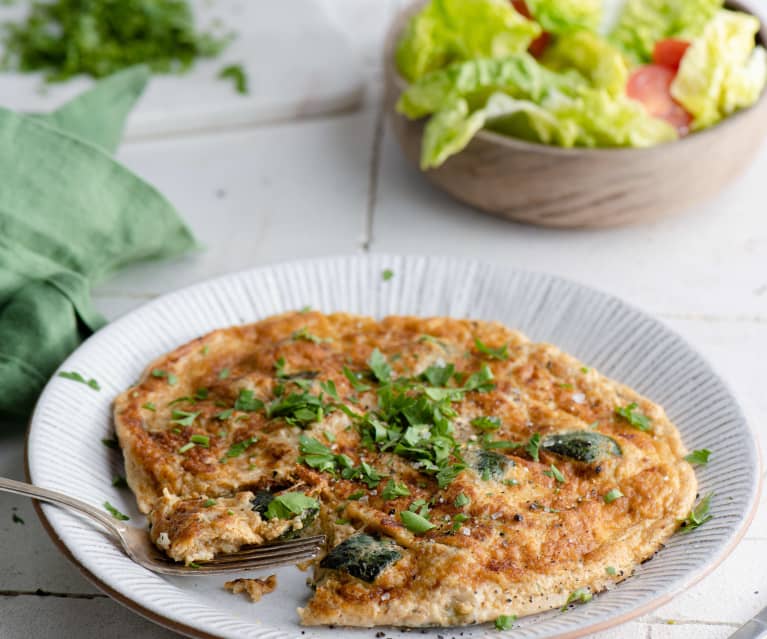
{"points": [[448, 31], [723, 70], [565, 16], [643, 23]]}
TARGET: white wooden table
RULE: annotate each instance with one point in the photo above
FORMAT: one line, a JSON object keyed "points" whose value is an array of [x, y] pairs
{"points": [[339, 185]]}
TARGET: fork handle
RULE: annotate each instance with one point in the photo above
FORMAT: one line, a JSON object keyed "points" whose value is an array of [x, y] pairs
{"points": [[756, 628], [60, 499]]}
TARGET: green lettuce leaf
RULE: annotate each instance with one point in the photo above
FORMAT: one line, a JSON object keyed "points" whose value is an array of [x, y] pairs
{"points": [[448, 31], [593, 56], [565, 16], [642, 23], [449, 131], [723, 70], [521, 76]]}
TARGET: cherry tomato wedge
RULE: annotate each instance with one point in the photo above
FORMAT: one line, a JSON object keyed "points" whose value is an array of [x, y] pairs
{"points": [[651, 85], [669, 53], [537, 46]]}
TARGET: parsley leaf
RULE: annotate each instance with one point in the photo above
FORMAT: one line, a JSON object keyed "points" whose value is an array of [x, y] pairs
{"points": [[634, 416], [150, 406], [76, 377], [699, 457], [306, 336], [201, 440], [555, 473], [118, 481], [114, 512], [698, 516], [581, 595], [235, 450], [387, 274], [297, 409], [354, 380], [184, 418], [533, 447], [169, 377], [393, 489], [612, 495], [480, 381], [290, 505], [237, 74], [247, 401], [461, 501], [501, 353], [379, 366], [486, 423], [415, 523], [505, 622]]}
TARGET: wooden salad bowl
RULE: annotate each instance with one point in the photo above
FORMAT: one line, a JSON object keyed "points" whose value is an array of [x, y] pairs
{"points": [[578, 187]]}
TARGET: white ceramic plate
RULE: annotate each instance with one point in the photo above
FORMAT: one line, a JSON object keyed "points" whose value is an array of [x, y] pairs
{"points": [[65, 450]]}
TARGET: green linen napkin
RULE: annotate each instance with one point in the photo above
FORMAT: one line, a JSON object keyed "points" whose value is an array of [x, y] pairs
{"points": [[69, 215]]}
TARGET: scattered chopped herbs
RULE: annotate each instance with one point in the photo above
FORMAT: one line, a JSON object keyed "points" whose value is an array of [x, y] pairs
{"points": [[357, 495], [420, 506], [201, 440], [161, 374], [698, 516], [17, 520], [193, 565], [533, 447], [489, 444], [329, 388], [209, 502], [224, 373], [505, 622], [699, 457], [247, 401], [433, 340], [567, 387], [306, 336], [65, 38], [298, 409], [114, 512], [150, 406], [305, 309], [461, 501], [330, 437], [379, 366], [458, 520], [290, 505], [201, 393], [387, 274], [634, 416], [555, 473], [415, 523], [500, 353], [581, 596], [118, 481], [224, 414], [355, 380], [511, 482], [111, 443], [364, 472], [76, 377], [342, 522], [230, 512], [393, 489], [611, 496], [610, 570], [486, 423], [237, 74], [184, 418], [186, 447], [235, 450]]}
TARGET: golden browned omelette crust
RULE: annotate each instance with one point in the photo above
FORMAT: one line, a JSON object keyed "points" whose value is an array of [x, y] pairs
{"points": [[255, 588], [459, 470]]}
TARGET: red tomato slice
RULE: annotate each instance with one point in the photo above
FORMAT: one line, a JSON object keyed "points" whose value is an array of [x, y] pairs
{"points": [[651, 85], [669, 53], [537, 46]]}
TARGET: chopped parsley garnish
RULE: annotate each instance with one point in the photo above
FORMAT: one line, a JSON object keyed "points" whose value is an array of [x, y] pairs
{"points": [[379, 366], [200, 440], [634, 416], [698, 516], [329, 388], [433, 340], [461, 501], [201, 393], [150, 406], [699, 457], [364, 472], [555, 473], [357, 495], [489, 444], [415, 523], [76, 377], [111, 443], [329, 436], [611, 496], [224, 414], [505, 622], [486, 423], [458, 520], [184, 418], [235, 450], [533, 447], [186, 447], [118, 481], [247, 401], [290, 505], [298, 409], [170, 377], [610, 570], [501, 353], [318, 456], [387, 274], [581, 596], [393, 489], [209, 502], [236, 73], [355, 380], [223, 373], [114, 512], [305, 335]]}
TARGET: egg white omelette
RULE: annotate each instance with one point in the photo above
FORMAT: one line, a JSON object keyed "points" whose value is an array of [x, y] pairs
{"points": [[460, 471]]}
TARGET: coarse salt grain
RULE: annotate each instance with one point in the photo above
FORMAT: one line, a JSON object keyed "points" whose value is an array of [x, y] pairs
{"points": [[579, 398]]}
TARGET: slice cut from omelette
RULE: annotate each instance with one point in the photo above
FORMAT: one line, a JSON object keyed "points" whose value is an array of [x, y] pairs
{"points": [[459, 471]]}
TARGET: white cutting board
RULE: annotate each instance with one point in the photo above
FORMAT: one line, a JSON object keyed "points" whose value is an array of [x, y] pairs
{"points": [[298, 64]]}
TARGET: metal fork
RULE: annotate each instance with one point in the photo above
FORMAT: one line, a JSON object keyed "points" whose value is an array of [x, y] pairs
{"points": [[137, 545]]}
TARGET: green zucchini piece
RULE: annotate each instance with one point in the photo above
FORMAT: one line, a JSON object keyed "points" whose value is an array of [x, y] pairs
{"points": [[362, 556], [582, 445]]}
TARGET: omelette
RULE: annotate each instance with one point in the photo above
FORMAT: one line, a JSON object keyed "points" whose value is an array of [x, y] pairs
{"points": [[459, 471]]}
